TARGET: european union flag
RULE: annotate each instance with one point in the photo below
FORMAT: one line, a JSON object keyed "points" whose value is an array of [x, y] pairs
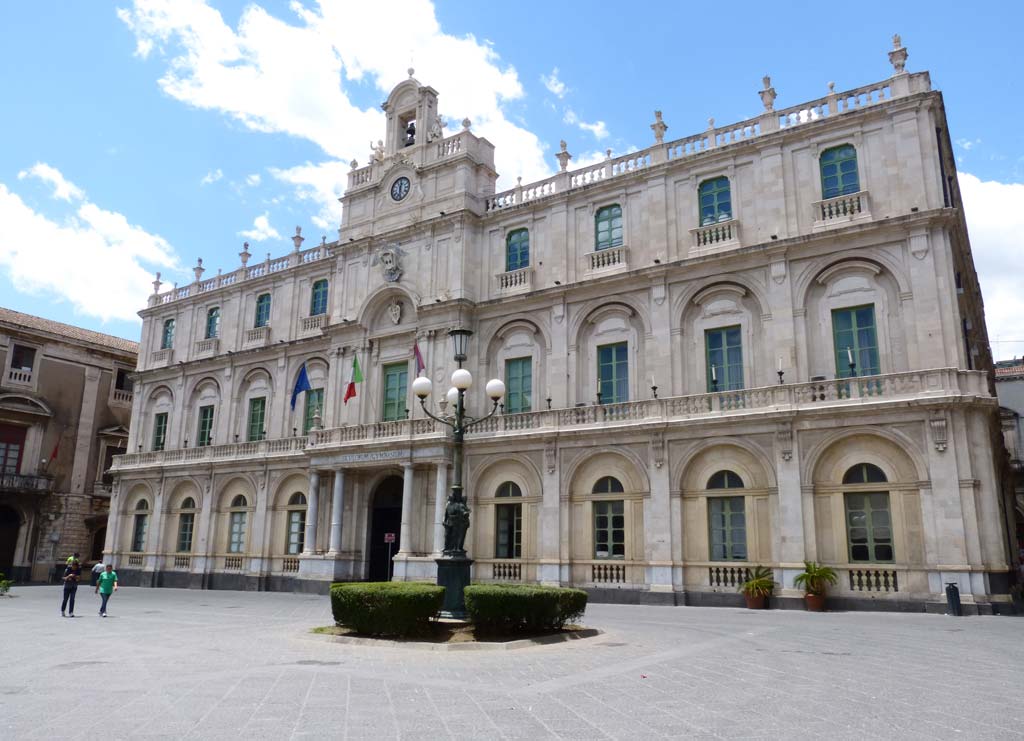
{"points": [[301, 384]]}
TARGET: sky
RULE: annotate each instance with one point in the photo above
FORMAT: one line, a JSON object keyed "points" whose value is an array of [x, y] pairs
{"points": [[140, 136]]}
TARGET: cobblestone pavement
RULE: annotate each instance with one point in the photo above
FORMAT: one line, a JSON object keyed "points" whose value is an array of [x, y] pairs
{"points": [[189, 664]]}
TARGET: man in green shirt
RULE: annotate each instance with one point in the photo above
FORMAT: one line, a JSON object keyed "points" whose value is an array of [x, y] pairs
{"points": [[106, 585]]}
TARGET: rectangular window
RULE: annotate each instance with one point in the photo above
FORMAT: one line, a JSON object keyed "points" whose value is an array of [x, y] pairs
{"points": [[853, 331], [396, 376], [724, 350], [608, 227], [318, 299], [262, 310], [123, 381], [715, 201], [213, 323], [236, 541], [12, 444], [159, 430], [109, 452], [613, 372], [257, 414], [609, 529], [23, 358], [517, 250], [167, 339], [296, 532], [839, 171], [869, 527], [727, 520], [139, 533], [508, 542], [519, 385], [314, 403], [205, 434], [186, 523]]}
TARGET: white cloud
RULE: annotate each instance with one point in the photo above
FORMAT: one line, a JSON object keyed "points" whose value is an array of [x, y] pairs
{"points": [[93, 258], [253, 180], [968, 144], [212, 177], [995, 221], [63, 189], [262, 230], [598, 128], [555, 86], [322, 184], [295, 76]]}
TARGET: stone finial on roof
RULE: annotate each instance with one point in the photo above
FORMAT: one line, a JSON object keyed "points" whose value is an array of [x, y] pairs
{"points": [[466, 123], [767, 94], [354, 163], [244, 254], [298, 239], [563, 156], [898, 55], [156, 285], [659, 128], [411, 72], [199, 269]]}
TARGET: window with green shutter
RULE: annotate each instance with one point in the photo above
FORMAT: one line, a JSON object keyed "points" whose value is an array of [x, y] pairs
{"points": [[715, 201], [518, 385], [728, 528], [396, 377], [839, 171], [608, 227], [159, 430], [140, 525], [508, 537], [213, 323], [314, 403], [613, 372], [167, 338], [296, 524], [609, 529], [517, 250], [854, 336], [186, 525], [205, 434], [237, 525], [257, 421], [724, 351], [868, 518], [318, 300], [262, 310]]}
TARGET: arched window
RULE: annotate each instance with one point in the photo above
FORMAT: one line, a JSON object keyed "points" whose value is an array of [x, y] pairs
{"points": [[140, 526], [715, 201], [262, 310], [517, 250], [508, 539], [186, 525], [839, 171], [318, 299], [608, 485], [868, 518], [213, 322], [167, 338], [296, 524], [608, 227], [237, 525], [727, 519]]}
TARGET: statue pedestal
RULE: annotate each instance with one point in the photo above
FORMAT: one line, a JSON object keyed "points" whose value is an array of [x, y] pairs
{"points": [[453, 575]]}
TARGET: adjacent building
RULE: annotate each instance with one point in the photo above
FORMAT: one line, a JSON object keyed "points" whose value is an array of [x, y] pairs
{"points": [[758, 344], [65, 401], [1010, 390]]}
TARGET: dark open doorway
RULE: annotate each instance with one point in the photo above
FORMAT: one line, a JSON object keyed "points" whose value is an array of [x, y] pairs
{"points": [[10, 523], [385, 517]]}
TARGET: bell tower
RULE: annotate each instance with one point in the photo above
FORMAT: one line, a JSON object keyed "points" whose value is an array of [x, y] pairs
{"points": [[412, 117]]}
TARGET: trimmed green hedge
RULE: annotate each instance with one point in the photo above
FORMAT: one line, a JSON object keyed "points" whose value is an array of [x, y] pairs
{"points": [[385, 608], [521, 607]]}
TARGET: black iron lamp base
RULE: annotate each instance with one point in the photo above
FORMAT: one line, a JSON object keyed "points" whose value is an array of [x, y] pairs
{"points": [[453, 575]]}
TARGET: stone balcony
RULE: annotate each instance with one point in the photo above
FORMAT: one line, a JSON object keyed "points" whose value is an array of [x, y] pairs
{"points": [[17, 483], [311, 326], [19, 377], [840, 211], [206, 348], [716, 236], [256, 337], [514, 281], [612, 259], [161, 358]]}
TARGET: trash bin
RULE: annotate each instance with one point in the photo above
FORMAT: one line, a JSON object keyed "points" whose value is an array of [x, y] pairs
{"points": [[953, 599]]}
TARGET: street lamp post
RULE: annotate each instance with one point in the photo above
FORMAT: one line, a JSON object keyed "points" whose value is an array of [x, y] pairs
{"points": [[453, 565]]}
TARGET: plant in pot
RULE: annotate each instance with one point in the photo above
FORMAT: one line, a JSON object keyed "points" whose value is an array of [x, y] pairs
{"points": [[815, 580], [758, 587]]}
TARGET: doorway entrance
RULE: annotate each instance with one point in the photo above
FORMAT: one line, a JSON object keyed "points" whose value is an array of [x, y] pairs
{"points": [[10, 523], [385, 518]]}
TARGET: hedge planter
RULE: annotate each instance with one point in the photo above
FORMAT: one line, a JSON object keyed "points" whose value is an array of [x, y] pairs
{"points": [[510, 608], [386, 608]]}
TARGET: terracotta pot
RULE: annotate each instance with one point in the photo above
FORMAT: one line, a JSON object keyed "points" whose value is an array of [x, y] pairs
{"points": [[755, 602], [815, 602]]}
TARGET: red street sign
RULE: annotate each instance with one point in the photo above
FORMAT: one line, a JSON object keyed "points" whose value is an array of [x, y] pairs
{"points": [[389, 537]]}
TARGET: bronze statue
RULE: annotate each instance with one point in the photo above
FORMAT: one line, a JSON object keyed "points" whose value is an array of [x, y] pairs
{"points": [[456, 523]]}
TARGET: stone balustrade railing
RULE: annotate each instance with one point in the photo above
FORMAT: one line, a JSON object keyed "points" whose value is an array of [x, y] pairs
{"points": [[841, 208], [612, 257], [123, 396], [713, 235], [515, 280], [19, 375], [283, 446]]}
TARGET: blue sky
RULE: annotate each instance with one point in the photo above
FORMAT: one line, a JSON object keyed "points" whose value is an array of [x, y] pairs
{"points": [[140, 136]]}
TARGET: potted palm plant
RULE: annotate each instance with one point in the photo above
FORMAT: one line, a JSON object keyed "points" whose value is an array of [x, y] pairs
{"points": [[758, 587], [815, 580]]}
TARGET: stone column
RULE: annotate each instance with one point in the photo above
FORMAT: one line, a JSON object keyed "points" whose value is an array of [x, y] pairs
{"points": [[312, 512], [406, 531], [794, 529], [84, 442], [440, 500], [337, 510], [657, 521]]}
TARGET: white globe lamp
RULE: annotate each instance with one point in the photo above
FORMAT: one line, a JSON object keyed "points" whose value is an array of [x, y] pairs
{"points": [[462, 379], [422, 387], [495, 389], [453, 397]]}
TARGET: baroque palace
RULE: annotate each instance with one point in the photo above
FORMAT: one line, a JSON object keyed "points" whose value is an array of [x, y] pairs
{"points": [[759, 344]]}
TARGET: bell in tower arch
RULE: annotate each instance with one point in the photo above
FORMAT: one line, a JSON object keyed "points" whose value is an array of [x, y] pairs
{"points": [[410, 134]]}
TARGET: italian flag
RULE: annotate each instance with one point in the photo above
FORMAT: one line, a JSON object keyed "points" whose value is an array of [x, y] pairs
{"points": [[356, 377]]}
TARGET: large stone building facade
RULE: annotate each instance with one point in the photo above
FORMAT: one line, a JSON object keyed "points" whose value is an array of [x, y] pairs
{"points": [[756, 345], [65, 401]]}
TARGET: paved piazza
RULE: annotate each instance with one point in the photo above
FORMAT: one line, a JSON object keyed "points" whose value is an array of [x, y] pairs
{"points": [[191, 664]]}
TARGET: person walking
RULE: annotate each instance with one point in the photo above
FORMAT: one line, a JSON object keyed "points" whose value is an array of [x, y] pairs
{"points": [[106, 585], [72, 573], [96, 571]]}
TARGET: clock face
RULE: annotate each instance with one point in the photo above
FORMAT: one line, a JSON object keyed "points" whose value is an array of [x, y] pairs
{"points": [[400, 188]]}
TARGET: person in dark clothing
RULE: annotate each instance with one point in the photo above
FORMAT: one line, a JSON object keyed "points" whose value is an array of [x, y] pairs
{"points": [[72, 573]]}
